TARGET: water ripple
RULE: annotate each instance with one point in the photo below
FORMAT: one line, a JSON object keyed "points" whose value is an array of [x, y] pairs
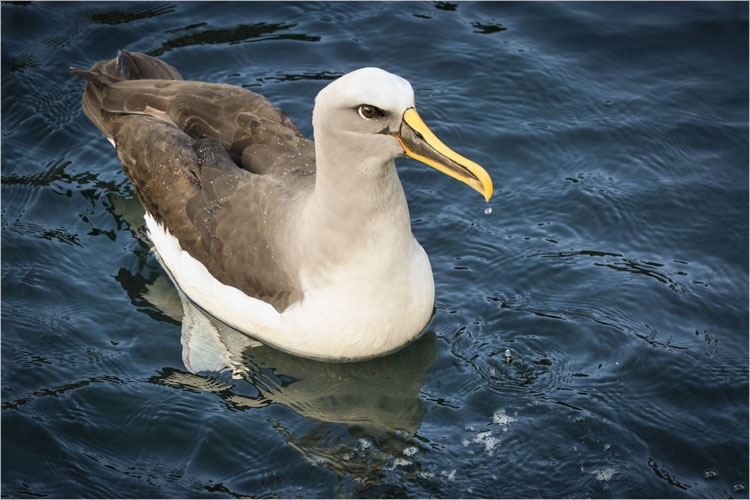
{"points": [[237, 34], [130, 13]]}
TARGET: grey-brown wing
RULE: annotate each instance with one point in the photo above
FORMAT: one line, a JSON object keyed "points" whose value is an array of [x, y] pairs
{"points": [[218, 162], [126, 66], [224, 216], [260, 137]]}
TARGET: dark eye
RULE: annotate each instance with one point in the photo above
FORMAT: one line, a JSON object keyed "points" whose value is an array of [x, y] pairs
{"points": [[367, 111]]}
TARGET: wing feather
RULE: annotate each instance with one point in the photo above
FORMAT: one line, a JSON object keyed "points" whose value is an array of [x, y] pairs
{"points": [[216, 164]]}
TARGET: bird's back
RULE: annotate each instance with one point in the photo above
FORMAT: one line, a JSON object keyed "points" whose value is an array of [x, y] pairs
{"points": [[209, 161]]}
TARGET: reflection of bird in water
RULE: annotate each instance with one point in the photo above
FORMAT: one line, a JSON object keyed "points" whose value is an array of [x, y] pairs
{"points": [[377, 401], [381, 395], [307, 246]]}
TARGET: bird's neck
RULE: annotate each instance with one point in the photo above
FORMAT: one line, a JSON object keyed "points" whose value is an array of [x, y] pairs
{"points": [[363, 203], [355, 234]]}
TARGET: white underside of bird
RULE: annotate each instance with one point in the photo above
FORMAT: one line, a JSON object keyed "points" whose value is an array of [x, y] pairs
{"points": [[353, 317]]}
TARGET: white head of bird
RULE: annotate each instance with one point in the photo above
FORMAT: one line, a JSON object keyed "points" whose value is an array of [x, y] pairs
{"points": [[368, 117], [363, 109]]}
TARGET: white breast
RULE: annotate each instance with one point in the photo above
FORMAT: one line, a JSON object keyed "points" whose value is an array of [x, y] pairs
{"points": [[362, 311]]}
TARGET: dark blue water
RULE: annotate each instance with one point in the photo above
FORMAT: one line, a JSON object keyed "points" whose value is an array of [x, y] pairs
{"points": [[614, 264]]}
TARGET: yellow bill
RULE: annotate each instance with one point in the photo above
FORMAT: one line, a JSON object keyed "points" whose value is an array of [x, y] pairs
{"points": [[421, 144]]}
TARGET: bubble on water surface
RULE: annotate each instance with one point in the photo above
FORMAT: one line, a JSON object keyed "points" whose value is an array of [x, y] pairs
{"points": [[451, 476], [738, 487], [710, 473], [486, 439], [364, 443], [411, 451], [488, 210], [502, 419], [605, 474]]}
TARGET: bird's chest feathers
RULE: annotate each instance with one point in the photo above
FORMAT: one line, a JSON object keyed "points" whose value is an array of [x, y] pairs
{"points": [[374, 271], [377, 295]]}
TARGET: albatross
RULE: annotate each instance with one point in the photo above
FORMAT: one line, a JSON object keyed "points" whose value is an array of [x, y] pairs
{"points": [[305, 246]]}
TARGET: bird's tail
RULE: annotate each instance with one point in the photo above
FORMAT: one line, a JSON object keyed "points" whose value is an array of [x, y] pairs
{"points": [[126, 66]]}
